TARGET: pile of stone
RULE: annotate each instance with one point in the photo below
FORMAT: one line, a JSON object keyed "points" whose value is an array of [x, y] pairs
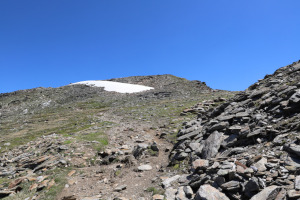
{"points": [[202, 107], [30, 163], [249, 146]]}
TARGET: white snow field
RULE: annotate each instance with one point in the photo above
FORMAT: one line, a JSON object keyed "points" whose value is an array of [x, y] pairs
{"points": [[112, 86]]}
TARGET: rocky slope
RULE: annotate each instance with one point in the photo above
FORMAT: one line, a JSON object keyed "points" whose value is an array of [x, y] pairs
{"points": [[80, 142], [246, 148]]}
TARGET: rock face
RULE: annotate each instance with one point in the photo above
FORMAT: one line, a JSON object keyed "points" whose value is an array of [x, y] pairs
{"points": [[249, 146]]}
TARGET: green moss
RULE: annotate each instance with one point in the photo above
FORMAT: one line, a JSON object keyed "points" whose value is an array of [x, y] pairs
{"points": [[176, 167]]}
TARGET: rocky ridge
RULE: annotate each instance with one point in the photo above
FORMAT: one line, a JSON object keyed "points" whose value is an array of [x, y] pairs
{"points": [[246, 148]]}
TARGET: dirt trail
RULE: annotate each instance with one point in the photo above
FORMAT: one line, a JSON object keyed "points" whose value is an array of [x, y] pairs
{"points": [[102, 181]]}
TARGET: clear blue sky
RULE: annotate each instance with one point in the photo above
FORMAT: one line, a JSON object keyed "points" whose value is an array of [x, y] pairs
{"points": [[228, 44]]}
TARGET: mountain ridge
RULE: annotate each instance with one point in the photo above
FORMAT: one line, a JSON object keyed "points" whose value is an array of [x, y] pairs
{"points": [[182, 140]]}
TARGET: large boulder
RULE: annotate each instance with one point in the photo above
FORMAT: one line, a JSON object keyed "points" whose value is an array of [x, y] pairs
{"points": [[212, 145]]}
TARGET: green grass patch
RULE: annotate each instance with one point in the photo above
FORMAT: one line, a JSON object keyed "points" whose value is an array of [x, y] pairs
{"points": [[155, 191], [100, 139]]}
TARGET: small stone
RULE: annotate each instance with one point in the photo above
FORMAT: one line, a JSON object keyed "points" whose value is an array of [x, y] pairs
{"points": [[71, 172], [293, 194], [181, 194], [188, 191], [120, 188], [167, 182], [70, 197], [40, 178], [223, 172], [200, 164], [297, 183], [231, 185], [71, 181], [158, 197], [144, 168], [63, 147], [170, 193], [260, 165], [33, 186]]}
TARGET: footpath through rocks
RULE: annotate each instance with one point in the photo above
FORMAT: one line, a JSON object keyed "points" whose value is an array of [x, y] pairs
{"points": [[130, 168]]}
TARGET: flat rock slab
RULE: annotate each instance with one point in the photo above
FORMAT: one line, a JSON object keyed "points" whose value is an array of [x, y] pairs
{"points": [[189, 135]]}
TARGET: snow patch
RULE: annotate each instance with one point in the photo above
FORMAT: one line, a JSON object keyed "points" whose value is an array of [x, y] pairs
{"points": [[112, 86]]}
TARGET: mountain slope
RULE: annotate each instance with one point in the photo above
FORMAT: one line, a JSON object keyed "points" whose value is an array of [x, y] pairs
{"points": [[47, 133]]}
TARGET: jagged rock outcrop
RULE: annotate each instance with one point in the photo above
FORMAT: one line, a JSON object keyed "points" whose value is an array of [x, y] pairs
{"points": [[251, 141]]}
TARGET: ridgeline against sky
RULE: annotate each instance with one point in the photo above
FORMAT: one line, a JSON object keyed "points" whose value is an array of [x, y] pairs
{"points": [[228, 44]]}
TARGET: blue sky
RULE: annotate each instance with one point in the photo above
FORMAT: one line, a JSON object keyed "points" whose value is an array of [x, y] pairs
{"points": [[228, 44]]}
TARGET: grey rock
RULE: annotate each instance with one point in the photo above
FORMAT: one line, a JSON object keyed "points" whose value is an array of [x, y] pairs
{"points": [[167, 182], [181, 194], [269, 193], [120, 188], [200, 164], [219, 126], [297, 183], [251, 187], [241, 114], [295, 98], [230, 140], [260, 165], [207, 192], [194, 145], [292, 148], [170, 193], [279, 139], [188, 191], [154, 147], [139, 149], [231, 186], [63, 147], [256, 132], [293, 194], [145, 168], [235, 129], [226, 117], [212, 145], [189, 135]]}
